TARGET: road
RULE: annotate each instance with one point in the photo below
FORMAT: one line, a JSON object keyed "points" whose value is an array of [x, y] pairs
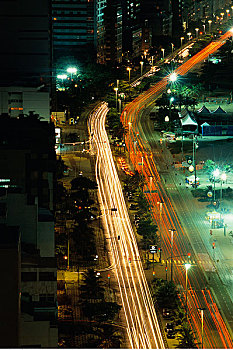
{"points": [[216, 334], [142, 324]]}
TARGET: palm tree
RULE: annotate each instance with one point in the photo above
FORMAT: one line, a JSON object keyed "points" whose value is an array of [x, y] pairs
{"points": [[92, 288], [185, 337], [109, 337]]}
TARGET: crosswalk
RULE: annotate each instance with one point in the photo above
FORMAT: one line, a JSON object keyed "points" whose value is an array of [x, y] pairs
{"points": [[206, 263]]}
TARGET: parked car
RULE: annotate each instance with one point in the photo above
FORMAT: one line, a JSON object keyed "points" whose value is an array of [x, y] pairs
{"points": [[169, 326], [167, 313], [170, 334]]}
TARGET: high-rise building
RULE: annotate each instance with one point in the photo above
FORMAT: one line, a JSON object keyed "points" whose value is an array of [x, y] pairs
{"points": [[25, 51], [132, 27], [109, 31], [73, 28]]}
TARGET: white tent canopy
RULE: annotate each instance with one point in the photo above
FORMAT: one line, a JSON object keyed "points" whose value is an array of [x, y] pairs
{"points": [[187, 120]]}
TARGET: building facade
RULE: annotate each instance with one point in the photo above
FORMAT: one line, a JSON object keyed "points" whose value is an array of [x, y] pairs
{"points": [[25, 50]]}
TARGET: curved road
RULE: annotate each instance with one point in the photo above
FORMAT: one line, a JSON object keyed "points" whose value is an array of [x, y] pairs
{"points": [[216, 334]]}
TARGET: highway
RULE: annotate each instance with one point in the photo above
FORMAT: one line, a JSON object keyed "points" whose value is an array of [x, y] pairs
{"points": [[142, 325], [216, 334]]}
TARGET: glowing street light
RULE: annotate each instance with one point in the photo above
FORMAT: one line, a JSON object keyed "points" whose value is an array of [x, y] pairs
{"points": [[163, 50], [129, 69], [71, 70], [62, 77], [189, 35], [141, 63], [232, 10], [173, 77], [172, 230], [202, 326], [116, 89], [216, 173], [187, 267], [181, 40], [197, 30], [152, 61], [209, 25], [223, 178], [172, 47]]}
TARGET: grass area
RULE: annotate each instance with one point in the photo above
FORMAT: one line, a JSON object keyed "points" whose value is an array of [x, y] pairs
{"points": [[176, 147]]}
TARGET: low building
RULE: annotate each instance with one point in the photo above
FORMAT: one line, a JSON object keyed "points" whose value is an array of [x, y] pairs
{"points": [[17, 100]]}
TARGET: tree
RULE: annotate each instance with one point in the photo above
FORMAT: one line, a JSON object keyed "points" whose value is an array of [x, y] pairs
{"points": [[101, 311], [185, 337], [82, 182], [92, 287], [84, 241], [209, 166], [164, 292], [109, 337]]}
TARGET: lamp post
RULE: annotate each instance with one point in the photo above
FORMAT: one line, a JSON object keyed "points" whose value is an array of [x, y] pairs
{"points": [[172, 47], [197, 30], [129, 138], [152, 61], [71, 70], [232, 10], [202, 326], [141, 63], [163, 50], [203, 28], [209, 25], [215, 174], [170, 107], [172, 230], [62, 77], [223, 178], [116, 89], [129, 69], [181, 40], [187, 267], [189, 35]]}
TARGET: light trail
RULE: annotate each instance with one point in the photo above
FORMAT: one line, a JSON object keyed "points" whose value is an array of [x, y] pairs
{"points": [[216, 333], [142, 324]]}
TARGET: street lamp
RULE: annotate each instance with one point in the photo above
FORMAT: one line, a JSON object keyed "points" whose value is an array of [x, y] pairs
{"points": [[173, 77], [129, 123], [203, 28], [141, 63], [202, 326], [71, 70], [181, 40], [172, 233], [209, 25], [216, 173], [172, 47], [152, 61], [170, 106], [163, 50], [62, 77], [116, 89], [223, 179], [197, 30], [187, 267], [232, 9], [129, 69], [189, 35]]}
